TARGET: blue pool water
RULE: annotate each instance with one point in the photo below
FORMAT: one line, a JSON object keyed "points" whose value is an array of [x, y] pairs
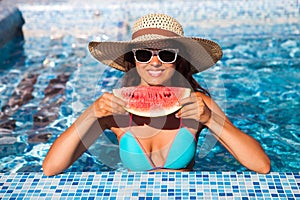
{"points": [[256, 83]]}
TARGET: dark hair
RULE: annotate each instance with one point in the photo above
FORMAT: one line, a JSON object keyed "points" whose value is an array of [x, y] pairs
{"points": [[182, 79]]}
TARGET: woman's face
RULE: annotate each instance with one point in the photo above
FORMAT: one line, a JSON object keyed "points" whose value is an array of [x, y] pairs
{"points": [[155, 72]]}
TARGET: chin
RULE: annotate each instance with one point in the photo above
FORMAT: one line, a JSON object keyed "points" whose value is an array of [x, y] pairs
{"points": [[158, 84]]}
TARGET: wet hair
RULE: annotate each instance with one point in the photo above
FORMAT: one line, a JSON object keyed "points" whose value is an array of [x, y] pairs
{"points": [[182, 79]]}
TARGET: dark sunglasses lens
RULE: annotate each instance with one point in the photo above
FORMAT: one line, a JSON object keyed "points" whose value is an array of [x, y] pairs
{"points": [[143, 55], [167, 55]]}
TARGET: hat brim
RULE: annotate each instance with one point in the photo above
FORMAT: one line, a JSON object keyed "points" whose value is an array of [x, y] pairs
{"points": [[201, 53]]}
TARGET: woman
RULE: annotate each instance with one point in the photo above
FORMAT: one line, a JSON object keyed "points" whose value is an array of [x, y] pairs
{"points": [[158, 55]]}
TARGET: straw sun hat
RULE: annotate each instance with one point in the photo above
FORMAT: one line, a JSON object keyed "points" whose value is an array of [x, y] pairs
{"points": [[158, 31]]}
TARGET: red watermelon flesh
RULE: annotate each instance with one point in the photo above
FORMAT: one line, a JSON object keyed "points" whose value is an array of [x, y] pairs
{"points": [[152, 101]]}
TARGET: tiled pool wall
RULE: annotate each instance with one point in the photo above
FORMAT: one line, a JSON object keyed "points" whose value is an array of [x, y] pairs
{"points": [[159, 185], [99, 20]]}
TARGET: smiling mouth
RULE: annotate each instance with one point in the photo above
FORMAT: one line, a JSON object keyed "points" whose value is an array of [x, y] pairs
{"points": [[155, 73]]}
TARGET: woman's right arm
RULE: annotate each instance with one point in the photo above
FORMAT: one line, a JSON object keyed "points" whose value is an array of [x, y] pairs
{"points": [[71, 144]]}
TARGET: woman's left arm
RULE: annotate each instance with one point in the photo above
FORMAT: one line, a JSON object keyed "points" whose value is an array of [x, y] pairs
{"points": [[242, 146]]}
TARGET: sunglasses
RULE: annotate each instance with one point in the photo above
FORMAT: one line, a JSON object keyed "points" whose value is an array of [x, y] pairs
{"points": [[164, 55]]}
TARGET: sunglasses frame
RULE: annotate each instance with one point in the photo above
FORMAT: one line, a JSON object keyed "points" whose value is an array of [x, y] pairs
{"points": [[155, 52]]}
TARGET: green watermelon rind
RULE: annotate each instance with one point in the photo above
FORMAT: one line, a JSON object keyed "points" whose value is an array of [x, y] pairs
{"points": [[179, 92]]}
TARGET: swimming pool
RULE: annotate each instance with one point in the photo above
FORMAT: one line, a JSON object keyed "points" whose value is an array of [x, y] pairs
{"points": [[256, 82]]}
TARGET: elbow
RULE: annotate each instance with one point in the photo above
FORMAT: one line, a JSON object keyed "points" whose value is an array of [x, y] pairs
{"points": [[261, 166], [48, 169], [265, 167], [47, 173]]}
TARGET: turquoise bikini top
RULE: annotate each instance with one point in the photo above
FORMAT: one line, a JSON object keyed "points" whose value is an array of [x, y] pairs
{"points": [[135, 158]]}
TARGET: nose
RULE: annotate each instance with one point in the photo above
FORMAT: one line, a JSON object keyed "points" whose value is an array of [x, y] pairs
{"points": [[155, 61]]}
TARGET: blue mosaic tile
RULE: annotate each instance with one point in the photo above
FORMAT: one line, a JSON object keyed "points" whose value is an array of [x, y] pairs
{"points": [[160, 185]]}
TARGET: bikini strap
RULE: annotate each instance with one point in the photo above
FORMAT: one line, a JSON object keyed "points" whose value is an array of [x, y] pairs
{"points": [[129, 125], [130, 119], [180, 125]]}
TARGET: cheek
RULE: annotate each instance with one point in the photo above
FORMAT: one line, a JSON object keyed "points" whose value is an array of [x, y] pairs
{"points": [[170, 73], [140, 69], [171, 70]]}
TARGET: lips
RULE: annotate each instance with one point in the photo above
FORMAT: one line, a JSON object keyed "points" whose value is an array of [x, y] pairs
{"points": [[155, 73]]}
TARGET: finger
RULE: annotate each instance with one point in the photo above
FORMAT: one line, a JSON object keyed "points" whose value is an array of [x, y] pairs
{"points": [[118, 101], [107, 104], [111, 105], [187, 104], [193, 108], [202, 114], [178, 114], [188, 100], [117, 108], [191, 114], [115, 102]]}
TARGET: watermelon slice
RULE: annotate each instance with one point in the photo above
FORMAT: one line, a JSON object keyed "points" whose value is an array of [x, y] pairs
{"points": [[152, 101]]}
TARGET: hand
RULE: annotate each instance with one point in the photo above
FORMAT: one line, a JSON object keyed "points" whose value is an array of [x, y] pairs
{"points": [[193, 107], [108, 104]]}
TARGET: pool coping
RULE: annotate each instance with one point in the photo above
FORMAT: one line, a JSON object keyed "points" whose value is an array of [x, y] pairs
{"points": [[151, 185]]}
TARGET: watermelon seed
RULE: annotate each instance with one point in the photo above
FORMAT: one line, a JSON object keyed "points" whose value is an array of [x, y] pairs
{"points": [[167, 94]]}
